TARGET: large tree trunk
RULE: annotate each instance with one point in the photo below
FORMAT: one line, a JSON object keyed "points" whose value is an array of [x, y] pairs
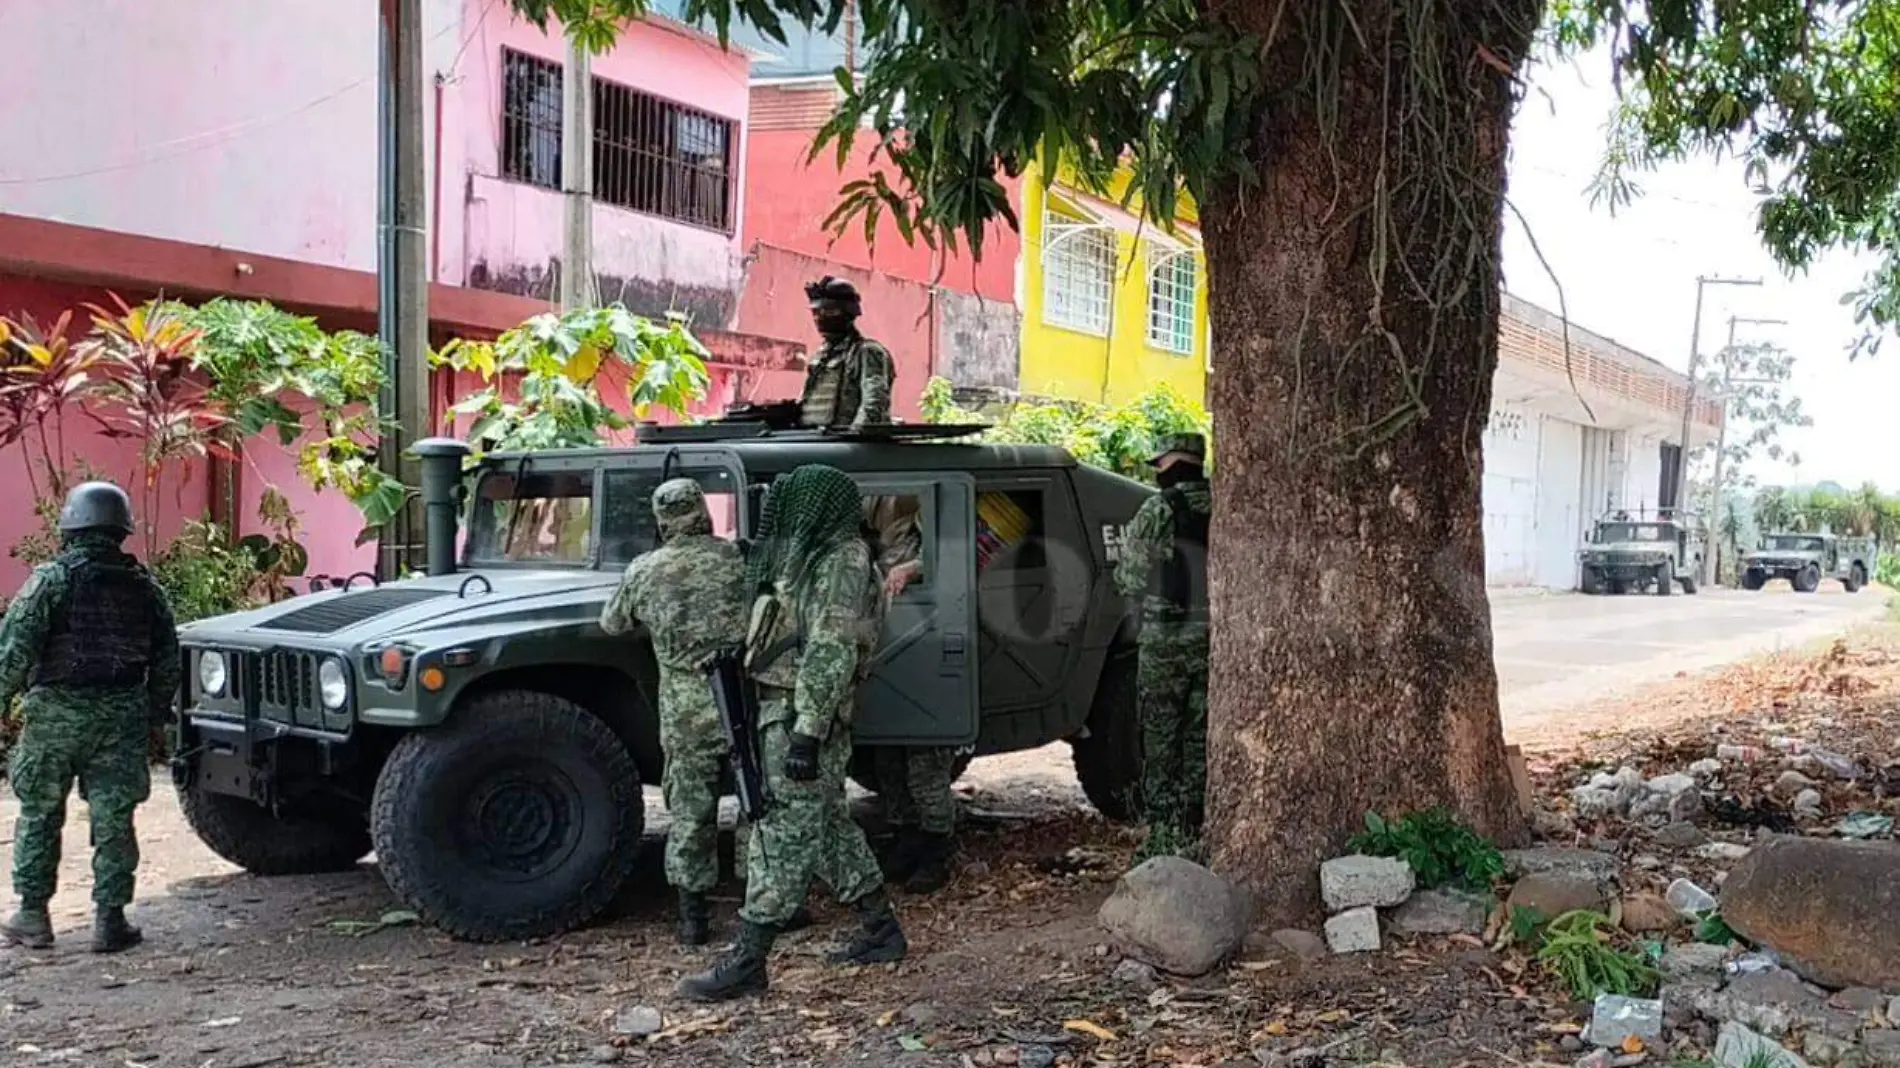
{"points": [[1354, 297]]}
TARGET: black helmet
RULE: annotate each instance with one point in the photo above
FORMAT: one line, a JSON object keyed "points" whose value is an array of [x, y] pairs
{"points": [[97, 506], [834, 291]]}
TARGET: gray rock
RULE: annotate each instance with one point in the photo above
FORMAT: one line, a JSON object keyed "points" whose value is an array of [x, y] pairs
{"points": [[1442, 912], [1551, 895], [1614, 1019], [1136, 974], [1356, 881], [1739, 1047], [1558, 860], [1672, 796], [1829, 1050], [1807, 804], [1826, 906], [1692, 959], [1176, 915], [1893, 1013], [1859, 999], [924, 1014], [1597, 803], [603, 1055], [1706, 769], [1792, 783], [1881, 1049], [1683, 835], [1354, 931], [1035, 1056], [1304, 945], [1723, 852], [1570, 1044], [639, 1022], [1774, 1002]]}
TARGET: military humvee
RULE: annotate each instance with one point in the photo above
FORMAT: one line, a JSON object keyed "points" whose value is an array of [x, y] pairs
{"points": [[1625, 553], [478, 730], [1806, 559]]}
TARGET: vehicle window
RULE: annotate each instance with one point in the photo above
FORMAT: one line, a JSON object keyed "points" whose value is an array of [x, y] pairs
{"points": [[1633, 532], [627, 526], [896, 520], [541, 517], [1009, 530], [1795, 543]]}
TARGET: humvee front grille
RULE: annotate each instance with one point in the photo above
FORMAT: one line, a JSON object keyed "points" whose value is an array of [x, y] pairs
{"points": [[285, 684]]}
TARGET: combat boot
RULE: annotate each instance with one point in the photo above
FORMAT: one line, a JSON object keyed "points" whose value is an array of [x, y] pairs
{"points": [[740, 972], [932, 872], [900, 863], [799, 920], [695, 919], [879, 939], [30, 927], [110, 932]]}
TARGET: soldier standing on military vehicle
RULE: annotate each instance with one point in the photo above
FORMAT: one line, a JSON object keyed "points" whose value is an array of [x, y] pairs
{"points": [[812, 631], [690, 594], [1164, 564], [91, 639], [849, 382], [912, 780]]}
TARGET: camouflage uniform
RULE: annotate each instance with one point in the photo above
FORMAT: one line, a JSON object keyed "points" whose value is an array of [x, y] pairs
{"points": [[1171, 674], [96, 732], [689, 593], [812, 632], [848, 383]]}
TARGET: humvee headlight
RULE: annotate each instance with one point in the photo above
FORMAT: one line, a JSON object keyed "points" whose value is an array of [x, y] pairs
{"points": [[212, 676], [333, 686]]}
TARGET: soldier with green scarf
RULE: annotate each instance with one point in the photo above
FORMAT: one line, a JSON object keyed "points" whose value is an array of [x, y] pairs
{"points": [[814, 626]]}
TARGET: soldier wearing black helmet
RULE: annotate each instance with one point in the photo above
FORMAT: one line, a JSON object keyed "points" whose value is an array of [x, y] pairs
{"points": [[848, 383], [89, 645]]}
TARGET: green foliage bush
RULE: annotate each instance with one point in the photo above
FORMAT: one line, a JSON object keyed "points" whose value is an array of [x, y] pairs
{"points": [[1119, 438], [1439, 848]]}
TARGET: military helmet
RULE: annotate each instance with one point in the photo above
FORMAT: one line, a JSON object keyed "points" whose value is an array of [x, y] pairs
{"points": [[678, 498], [830, 290], [97, 506], [1192, 445]]}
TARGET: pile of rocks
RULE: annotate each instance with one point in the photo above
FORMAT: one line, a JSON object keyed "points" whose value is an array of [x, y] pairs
{"points": [[1354, 889]]}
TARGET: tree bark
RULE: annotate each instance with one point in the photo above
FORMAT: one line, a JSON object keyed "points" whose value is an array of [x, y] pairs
{"points": [[1354, 299]]}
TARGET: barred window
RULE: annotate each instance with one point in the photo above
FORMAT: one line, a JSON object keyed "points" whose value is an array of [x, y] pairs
{"points": [[1172, 277], [1078, 277], [650, 155], [530, 119], [657, 157]]}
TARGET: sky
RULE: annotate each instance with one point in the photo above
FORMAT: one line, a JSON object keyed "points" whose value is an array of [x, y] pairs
{"points": [[1631, 276]]}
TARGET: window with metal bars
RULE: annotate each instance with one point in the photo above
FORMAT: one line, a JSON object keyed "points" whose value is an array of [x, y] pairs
{"points": [[661, 158], [1078, 275], [1172, 277], [530, 119], [650, 155]]}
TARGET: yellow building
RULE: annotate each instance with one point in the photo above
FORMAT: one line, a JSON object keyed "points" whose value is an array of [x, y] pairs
{"points": [[1112, 305]]}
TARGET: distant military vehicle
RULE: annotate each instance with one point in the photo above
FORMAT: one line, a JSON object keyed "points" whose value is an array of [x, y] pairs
{"points": [[1805, 559], [1625, 553], [487, 739]]}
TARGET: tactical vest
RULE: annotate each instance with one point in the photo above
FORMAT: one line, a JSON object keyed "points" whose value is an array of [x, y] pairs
{"points": [[101, 636], [775, 636], [1181, 580], [831, 388]]}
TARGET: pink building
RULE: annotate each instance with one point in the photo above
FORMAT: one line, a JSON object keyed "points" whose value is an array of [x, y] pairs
{"points": [[234, 152]]}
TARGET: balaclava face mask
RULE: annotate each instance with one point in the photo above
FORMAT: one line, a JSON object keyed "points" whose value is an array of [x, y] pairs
{"points": [[1177, 473]]}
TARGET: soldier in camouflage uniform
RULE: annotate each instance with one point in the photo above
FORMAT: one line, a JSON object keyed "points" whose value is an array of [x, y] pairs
{"points": [[812, 631], [91, 641], [913, 780], [690, 594], [1164, 565], [849, 382]]}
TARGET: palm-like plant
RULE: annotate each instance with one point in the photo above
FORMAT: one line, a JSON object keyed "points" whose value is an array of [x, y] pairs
{"points": [[41, 373]]}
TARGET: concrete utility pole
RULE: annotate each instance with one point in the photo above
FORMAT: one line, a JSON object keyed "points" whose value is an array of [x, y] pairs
{"points": [[1688, 403], [577, 178], [401, 267], [1710, 561]]}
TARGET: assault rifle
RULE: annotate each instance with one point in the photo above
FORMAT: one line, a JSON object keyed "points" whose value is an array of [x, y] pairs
{"points": [[738, 704]]}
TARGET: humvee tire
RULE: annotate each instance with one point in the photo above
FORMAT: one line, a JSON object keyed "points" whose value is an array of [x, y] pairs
{"points": [[1808, 579], [1665, 580], [1592, 584], [249, 835], [1689, 586], [1753, 579], [1856, 578], [520, 818], [1108, 761]]}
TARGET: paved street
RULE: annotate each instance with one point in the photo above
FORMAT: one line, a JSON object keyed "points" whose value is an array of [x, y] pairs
{"points": [[1561, 649]]}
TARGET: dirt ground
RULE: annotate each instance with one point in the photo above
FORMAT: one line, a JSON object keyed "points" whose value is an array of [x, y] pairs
{"points": [[1007, 966]]}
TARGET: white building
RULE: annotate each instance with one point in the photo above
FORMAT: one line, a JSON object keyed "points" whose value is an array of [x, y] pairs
{"points": [[1558, 454]]}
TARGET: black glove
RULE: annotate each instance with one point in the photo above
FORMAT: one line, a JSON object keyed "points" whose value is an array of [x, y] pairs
{"points": [[801, 761]]}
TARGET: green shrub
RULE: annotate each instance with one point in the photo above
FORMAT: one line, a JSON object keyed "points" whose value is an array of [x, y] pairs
{"points": [[1439, 848], [1581, 950]]}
